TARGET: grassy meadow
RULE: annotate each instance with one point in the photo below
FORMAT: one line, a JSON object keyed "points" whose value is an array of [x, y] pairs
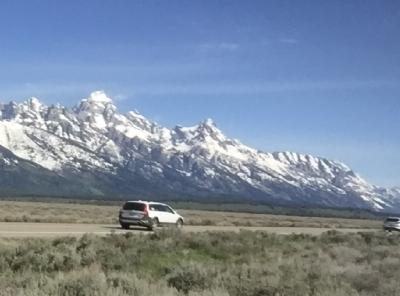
{"points": [[58, 212], [170, 262]]}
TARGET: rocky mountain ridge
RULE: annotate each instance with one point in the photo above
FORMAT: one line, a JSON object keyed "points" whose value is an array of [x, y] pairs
{"points": [[98, 151]]}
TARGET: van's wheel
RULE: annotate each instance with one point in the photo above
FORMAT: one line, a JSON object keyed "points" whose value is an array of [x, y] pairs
{"points": [[179, 223], [154, 224], [124, 226]]}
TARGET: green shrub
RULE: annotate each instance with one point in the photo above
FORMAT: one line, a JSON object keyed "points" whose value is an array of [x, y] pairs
{"points": [[190, 278], [171, 262]]}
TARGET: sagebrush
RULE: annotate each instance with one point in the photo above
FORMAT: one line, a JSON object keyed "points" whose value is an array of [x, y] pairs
{"points": [[170, 262]]}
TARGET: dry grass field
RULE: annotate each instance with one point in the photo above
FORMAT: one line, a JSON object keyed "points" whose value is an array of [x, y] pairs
{"points": [[52, 212], [20, 211], [176, 263]]}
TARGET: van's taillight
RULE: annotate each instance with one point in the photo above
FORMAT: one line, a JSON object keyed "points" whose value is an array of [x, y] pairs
{"points": [[146, 211]]}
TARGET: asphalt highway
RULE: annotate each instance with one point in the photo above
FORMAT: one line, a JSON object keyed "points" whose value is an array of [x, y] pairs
{"points": [[11, 229]]}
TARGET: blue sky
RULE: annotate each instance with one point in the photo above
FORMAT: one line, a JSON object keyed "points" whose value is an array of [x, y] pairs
{"points": [[320, 77]]}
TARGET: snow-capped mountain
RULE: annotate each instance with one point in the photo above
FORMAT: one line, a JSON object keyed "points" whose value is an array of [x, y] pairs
{"points": [[93, 150]]}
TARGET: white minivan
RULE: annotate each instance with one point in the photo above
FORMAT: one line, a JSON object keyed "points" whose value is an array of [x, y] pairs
{"points": [[148, 214]]}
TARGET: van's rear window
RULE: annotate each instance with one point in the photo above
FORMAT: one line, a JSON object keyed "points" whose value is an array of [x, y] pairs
{"points": [[392, 220], [134, 206]]}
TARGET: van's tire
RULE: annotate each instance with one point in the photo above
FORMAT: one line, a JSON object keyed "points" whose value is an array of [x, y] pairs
{"points": [[124, 226], [154, 224], [179, 223]]}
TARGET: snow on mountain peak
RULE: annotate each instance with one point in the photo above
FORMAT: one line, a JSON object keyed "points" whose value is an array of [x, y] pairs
{"points": [[97, 102], [209, 126], [209, 122], [95, 135], [97, 110], [31, 105], [99, 96], [396, 190], [35, 104], [205, 131]]}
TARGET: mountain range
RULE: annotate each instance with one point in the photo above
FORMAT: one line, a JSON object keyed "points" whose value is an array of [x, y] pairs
{"points": [[92, 150]]}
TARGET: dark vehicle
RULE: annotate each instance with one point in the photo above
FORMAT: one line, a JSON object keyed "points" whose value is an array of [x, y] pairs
{"points": [[392, 223]]}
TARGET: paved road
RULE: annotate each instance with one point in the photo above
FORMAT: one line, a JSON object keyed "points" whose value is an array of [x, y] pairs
{"points": [[10, 229]]}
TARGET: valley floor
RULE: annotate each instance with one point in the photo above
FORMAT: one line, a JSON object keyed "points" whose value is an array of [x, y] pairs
{"points": [[74, 249], [58, 212]]}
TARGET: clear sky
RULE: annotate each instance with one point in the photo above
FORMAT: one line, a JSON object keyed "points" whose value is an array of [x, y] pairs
{"points": [[319, 77]]}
